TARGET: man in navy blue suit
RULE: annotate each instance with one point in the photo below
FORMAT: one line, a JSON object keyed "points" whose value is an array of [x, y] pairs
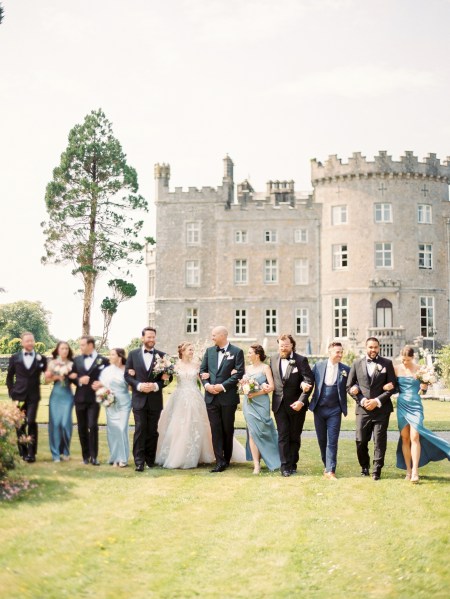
{"points": [[328, 404]]}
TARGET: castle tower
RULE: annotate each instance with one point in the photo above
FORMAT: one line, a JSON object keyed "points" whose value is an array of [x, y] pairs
{"points": [[162, 177], [384, 249]]}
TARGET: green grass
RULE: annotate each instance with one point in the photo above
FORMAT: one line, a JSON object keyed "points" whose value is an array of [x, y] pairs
{"points": [[112, 533], [437, 413]]}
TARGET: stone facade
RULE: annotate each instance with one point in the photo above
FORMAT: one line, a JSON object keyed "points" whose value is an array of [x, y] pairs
{"points": [[366, 252]]}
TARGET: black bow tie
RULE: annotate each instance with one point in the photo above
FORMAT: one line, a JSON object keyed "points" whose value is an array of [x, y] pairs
{"points": [[88, 356], [148, 351], [370, 361], [222, 349], [28, 353]]}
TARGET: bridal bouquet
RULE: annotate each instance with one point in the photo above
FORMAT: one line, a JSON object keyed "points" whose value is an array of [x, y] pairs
{"points": [[426, 375], [60, 368], [247, 385], [163, 365], [105, 397]]}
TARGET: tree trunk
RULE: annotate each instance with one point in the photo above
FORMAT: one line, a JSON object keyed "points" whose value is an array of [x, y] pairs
{"points": [[88, 299]]}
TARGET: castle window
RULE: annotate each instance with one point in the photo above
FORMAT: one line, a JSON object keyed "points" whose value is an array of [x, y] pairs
{"points": [[424, 214], [271, 271], [302, 321], [193, 273], [427, 316], [191, 320], [384, 314], [270, 236], [240, 272], [425, 255], [240, 236], [339, 215], [383, 255], [240, 322], [301, 271], [193, 234], [383, 213], [271, 321], [340, 256], [301, 236], [340, 317], [151, 283]]}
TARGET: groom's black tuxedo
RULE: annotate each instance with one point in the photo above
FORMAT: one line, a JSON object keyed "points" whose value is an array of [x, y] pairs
{"points": [[374, 421], [287, 391], [222, 407], [24, 386], [86, 407], [147, 407]]}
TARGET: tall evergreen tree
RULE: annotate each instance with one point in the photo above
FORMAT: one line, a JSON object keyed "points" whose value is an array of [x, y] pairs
{"points": [[93, 205]]}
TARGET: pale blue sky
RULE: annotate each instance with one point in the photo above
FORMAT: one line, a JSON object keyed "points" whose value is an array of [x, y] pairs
{"points": [[273, 83]]}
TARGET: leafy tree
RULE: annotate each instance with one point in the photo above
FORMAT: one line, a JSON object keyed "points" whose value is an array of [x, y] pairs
{"points": [[1, 13], [121, 292], [134, 344], [14, 345], [92, 203], [23, 316], [442, 364], [39, 347], [4, 345]]}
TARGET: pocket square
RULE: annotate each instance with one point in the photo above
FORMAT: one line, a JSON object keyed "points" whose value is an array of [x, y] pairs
{"points": [[230, 358], [294, 370]]}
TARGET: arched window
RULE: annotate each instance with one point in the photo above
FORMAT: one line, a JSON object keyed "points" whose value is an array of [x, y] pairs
{"points": [[384, 314]]}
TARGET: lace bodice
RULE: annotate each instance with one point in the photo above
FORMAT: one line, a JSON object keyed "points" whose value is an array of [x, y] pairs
{"points": [[187, 374]]}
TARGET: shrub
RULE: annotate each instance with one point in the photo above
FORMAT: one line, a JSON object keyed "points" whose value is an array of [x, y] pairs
{"points": [[39, 347], [14, 345], [11, 418], [4, 345]]}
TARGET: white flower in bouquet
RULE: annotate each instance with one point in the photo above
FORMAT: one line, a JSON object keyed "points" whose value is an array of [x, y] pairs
{"points": [[60, 368], [426, 375], [105, 397], [247, 385]]}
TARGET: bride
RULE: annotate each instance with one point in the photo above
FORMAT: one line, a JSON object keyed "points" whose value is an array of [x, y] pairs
{"points": [[184, 431]]}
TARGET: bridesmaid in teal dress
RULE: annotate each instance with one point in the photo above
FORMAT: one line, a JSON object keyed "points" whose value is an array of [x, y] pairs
{"points": [[262, 437], [118, 414], [417, 445], [61, 402]]}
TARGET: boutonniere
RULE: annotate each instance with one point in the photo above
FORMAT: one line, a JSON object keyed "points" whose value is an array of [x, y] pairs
{"points": [[379, 367], [344, 373], [226, 354], [291, 362], [38, 357], [99, 361]]}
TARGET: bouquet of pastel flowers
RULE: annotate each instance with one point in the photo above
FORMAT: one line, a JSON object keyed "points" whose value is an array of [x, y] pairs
{"points": [[163, 365], [105, 397], [247, 385], [60, 368], [426, 375]]}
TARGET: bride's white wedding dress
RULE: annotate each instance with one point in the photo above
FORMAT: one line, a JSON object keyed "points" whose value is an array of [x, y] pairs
{"points": [[184, 431]]}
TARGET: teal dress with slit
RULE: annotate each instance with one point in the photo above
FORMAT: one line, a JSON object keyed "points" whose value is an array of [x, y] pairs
{"points": [[410, 411]]}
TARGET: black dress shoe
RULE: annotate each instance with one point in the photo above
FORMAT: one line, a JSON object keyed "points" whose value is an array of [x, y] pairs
{"points": [[30, 459], [219, 468], [376, 476], [151, 464], [365, 472], [286, 473], [86, 462], [139, 468], [95, 462]]}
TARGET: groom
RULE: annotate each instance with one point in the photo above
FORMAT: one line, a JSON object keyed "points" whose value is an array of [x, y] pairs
{"points": [[221, 394]]}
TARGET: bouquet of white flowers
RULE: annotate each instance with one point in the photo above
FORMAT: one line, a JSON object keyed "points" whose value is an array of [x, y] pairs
{"points": [[105, 397]]}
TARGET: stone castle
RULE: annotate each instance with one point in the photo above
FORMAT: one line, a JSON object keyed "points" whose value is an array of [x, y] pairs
{"points": [[366, 252]]}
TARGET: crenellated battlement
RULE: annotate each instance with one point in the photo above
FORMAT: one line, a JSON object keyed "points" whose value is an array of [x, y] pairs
{"points": [[382, 166]]}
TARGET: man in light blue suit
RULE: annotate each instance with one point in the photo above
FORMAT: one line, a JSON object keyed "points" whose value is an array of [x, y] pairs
{"points": [[328, 404]]}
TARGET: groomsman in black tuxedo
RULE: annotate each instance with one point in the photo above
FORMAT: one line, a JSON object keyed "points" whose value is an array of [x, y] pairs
{"points": [[366, 380], [23, 382], [221, 394], [147, 398], [85, 373], [289, 400]]}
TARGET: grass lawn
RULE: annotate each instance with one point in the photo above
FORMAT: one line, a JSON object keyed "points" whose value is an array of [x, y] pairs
{"points": [[111, 533]]}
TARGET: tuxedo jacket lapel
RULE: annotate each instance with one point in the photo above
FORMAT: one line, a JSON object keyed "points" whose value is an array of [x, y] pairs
{"points": [[276, 373], [322, 367]]}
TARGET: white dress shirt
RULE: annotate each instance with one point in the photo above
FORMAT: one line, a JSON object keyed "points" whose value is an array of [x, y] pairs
{"points": [[148, 358], [285, 364], [331, 373], [28, 360], [89, 360]]}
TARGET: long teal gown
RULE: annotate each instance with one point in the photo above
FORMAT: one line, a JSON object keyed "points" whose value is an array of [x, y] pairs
{"points": [[410, 411], [60, 419], [117, 415], [260, 426]]}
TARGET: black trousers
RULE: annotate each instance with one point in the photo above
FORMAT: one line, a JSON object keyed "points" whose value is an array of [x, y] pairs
{"points": [[28, 429], [221, 420], [290, 426], [146, 435], [87, 419], [366, 425]]}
